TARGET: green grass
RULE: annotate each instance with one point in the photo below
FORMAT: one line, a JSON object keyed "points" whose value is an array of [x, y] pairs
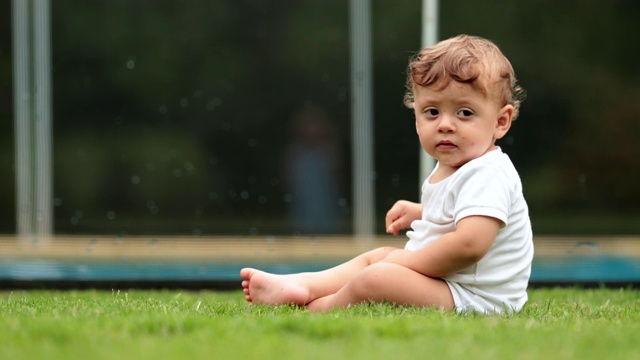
{"points": [[556, 324]]}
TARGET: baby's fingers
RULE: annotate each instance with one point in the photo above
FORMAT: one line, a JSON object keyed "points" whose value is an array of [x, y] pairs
{"points": [[394, 226], [395, 213]]}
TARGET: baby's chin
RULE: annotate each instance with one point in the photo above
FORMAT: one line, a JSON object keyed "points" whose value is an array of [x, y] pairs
{"points": [[451, 160]]}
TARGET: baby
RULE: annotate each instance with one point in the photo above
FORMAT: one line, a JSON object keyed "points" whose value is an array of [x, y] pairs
{"points": [[470, 247]]}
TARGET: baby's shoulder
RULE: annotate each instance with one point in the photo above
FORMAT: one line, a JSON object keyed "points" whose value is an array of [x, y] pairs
{"points": [[494, 168]]}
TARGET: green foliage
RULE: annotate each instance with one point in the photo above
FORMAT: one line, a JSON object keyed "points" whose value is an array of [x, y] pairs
{"points": [[556, 324], [218, 81]]}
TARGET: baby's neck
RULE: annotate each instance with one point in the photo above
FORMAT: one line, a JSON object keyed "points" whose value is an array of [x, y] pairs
{"points": [[441, 173], [444, 171]]}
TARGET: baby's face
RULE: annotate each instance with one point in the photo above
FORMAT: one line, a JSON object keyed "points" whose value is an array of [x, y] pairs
{"points": [[458, 123]]}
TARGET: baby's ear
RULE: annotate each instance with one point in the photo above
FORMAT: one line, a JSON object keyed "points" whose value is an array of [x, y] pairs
{"points": [[504, 121]]}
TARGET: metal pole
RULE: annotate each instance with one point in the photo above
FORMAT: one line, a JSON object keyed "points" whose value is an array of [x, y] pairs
{"points": [[32, 102], [42, 72], [429, 38], [362, 118], [22, 105]]}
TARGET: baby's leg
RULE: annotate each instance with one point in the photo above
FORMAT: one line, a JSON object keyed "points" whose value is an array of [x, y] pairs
{"points": [[388, 282], [265, 288]]}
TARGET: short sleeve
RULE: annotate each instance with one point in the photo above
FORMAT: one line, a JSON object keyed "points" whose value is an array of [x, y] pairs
{"points": [[482, 191]]}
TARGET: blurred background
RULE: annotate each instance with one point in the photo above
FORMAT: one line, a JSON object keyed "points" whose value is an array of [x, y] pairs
{"points": [[204, 119]]}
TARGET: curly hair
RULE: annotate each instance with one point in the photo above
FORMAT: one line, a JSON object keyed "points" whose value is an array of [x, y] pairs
{"points": [[465, 59]]}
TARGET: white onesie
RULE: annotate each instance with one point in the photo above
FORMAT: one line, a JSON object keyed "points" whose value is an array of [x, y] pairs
{"points": [[487, 186]]}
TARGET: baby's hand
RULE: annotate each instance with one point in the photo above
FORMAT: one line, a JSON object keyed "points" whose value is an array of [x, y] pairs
{"points": [[401, 215]]}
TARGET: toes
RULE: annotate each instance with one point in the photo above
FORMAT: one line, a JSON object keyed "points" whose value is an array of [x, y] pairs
{"points": [[246, 273]]}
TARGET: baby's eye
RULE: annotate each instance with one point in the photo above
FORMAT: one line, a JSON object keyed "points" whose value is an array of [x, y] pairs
{"points": [[432, 112], [465, 113]]}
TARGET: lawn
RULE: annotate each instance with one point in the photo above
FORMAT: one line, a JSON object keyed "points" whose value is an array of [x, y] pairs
{"points": [[567, 323]]}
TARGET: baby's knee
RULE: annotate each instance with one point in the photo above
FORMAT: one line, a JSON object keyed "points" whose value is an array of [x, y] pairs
{"points": [[383, 252], [369, 280]]}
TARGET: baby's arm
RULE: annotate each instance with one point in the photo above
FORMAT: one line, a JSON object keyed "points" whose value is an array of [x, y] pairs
{"points": [[401, 215], [454, 251]]}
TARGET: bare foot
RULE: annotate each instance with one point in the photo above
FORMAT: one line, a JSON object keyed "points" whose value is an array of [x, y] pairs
{"points": [[260, 287]]}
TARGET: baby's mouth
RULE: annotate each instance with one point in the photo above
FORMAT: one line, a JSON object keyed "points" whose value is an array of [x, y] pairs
{"points": [[446, 145]]}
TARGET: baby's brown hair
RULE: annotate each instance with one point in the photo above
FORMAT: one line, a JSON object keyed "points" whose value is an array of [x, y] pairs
{"points": [[465, 59]]}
